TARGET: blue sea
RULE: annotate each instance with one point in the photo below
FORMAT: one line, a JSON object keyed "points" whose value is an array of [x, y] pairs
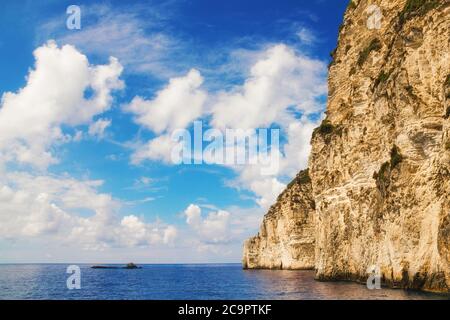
{"points": [[190, 282]]}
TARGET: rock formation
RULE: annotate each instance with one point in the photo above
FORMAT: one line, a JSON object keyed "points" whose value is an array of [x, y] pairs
{"points": [[128, 266], [380, 161], [286, 239]]}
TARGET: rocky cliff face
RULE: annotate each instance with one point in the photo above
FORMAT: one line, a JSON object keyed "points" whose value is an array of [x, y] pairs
{"points": [[380, 162], [286, 239]]}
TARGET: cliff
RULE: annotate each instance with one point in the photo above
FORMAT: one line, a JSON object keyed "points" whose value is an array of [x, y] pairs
{"points": [[286, 239], [380, 161]]}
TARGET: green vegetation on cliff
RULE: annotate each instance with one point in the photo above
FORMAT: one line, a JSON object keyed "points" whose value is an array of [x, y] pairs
{"points": [[375, 45], [417, 8]]}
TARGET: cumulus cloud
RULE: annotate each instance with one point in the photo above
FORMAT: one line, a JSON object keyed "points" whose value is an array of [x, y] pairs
{"points": [[213, 228], [174, 107], [135, 232], [32, 122], [64, 91], [284, 88], [31, 119], [266, 188], [157, 149], [298, 146], [170, 235], [71, 211], [279, 82]]}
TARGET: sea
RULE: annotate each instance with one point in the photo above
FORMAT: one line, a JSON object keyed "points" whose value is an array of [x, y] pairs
{"points": [[182, 282]]}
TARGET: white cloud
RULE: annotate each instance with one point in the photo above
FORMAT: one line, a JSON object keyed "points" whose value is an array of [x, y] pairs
{"points": [[71, 212], [141, 44], [31, 120], [193, 215], [78, 136], [262, 176], [157, 149], [298, 147], [212, 229], [134, 232], [306, 36], [140, 201], [266, 188], [97, 129], [62, 209], [174, 107], [284, 87], [219, 232], [281, 79], [170, 234]]}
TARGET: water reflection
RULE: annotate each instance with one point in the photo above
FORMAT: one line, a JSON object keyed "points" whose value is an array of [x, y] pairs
{"points": [[193, 282], [300, 285]]}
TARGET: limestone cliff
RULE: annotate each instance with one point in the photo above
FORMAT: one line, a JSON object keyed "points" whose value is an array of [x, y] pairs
{"points": [[286, 238], [380, 162]]}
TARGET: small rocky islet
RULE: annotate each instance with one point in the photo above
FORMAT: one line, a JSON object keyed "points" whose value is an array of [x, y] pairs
{"points": [[128, 266]]}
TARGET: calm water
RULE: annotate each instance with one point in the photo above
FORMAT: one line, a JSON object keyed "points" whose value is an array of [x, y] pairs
{"points": [[181, 282]]}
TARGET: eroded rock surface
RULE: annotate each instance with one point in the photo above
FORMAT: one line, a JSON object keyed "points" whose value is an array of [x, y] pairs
{"points": [[286, 238], [380, 162]]}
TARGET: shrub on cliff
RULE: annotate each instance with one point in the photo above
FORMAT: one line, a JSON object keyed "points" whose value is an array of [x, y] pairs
{"points": [[447, 113], [352, 5], [383, 177], [302, 178], [417, 8], [375, 45], [447, 86], [396, 157], [325, 128], [382, 78]]}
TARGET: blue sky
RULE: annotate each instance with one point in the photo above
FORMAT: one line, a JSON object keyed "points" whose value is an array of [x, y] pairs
{"points": [[222, 51]]}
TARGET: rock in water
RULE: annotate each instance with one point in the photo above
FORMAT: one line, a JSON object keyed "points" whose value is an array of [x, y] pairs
{"points": [[128, 266], [380, 162], [131, 266]]}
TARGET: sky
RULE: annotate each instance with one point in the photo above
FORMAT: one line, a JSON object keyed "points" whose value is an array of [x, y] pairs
{"points": [[87, 118]]}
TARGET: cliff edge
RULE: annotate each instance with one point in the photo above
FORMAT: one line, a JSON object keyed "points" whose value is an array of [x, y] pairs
{"points": [[286, 237], [380, 163]]}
